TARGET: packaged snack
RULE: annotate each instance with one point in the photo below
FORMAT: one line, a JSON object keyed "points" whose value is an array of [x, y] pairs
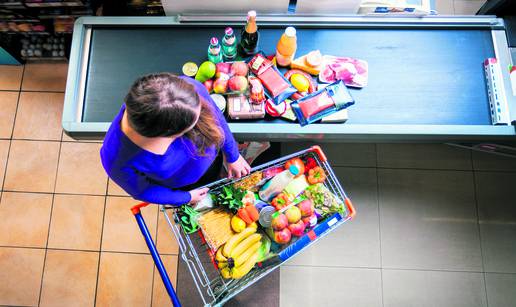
{"points": [[256, 93], [216, 227], [278, 88], [240, 108], [352, 71], [326, 101], [275, 110]]}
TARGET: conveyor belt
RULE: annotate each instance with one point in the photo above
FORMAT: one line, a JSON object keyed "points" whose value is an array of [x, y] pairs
{"points": [[416, 76]]}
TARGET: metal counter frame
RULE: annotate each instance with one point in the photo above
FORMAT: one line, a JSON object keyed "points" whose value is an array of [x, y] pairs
{"points": [[79, 57]]}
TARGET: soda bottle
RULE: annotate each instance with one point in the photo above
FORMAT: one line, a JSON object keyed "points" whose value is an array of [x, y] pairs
{"points": [[229, 45], [249, 38], [286, 48], [214, 51]]}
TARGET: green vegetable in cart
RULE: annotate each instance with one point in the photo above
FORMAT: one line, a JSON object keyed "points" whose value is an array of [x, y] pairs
{"points": [[231, 198], [264, 252], [325, 202]]}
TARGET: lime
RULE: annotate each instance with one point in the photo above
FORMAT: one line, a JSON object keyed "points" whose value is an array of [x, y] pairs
{"points": [[190, 69], [207, 70], [300, 82]]}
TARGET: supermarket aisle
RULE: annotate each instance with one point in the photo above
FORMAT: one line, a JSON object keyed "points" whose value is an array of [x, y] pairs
{"points": [[435, 226]]}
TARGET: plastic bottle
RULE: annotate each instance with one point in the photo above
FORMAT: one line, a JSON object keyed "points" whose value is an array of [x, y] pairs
{"points": [[249, 37], [274, 186], [214, 51], [286, 48], [229, 45]]}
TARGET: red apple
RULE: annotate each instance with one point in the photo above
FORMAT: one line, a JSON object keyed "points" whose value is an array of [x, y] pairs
{"points": [[297, 229], [309, 221], [282, 236], [293, 214], [279, 222], [222, 69], [307, 207], [237, 84], [208, 84], [239, 69], [220, 86]]}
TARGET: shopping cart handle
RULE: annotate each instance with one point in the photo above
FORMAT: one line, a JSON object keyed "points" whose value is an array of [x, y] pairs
{"points": [[317, 149], [136, 209]]}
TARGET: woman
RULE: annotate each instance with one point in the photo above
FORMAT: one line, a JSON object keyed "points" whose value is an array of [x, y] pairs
{"points": [[168, 138]]}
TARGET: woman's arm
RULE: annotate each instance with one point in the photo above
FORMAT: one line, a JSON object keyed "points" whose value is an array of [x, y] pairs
{"points": [[140, 188]]}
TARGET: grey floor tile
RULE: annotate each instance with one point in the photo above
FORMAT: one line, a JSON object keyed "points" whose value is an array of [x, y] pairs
{"points": [[403, 288], [357, 242], [428, 220], [483, 161], [500, 290], [339, 154], [497, 216], [423, 156], [319, 286]]}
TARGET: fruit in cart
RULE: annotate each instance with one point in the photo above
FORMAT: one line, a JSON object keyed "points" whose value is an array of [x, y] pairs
{"points": [[222, 69], [243, 257], [237, 224], [316, 175], [220, 86], [264, 250], [208, 84], [306, 207], [239, 69], [310, 221], [300, 82], [244, 245], [235, 240], [237, 84], [279, 221], [293, 214], [297, 229], [282, 236], [226, 273], [219, 256], [241, 271], [253, 225]]}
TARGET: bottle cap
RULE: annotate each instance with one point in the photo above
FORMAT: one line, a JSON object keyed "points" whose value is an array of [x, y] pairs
{"points": [[251, 14], [228, 31], [290, 31], [294, 169], [214, 41]]}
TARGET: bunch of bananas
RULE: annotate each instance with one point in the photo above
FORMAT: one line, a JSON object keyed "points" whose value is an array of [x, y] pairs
{"points": [[239, 255]]}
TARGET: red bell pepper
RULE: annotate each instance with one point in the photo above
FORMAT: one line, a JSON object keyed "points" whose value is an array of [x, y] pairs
{"points": [[280, 201]]}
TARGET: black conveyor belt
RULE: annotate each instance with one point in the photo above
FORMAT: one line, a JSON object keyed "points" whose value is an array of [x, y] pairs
{"points": [[416, 76]]}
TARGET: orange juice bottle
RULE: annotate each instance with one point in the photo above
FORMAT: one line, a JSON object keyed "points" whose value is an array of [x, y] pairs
{"points": [[286, 48]]}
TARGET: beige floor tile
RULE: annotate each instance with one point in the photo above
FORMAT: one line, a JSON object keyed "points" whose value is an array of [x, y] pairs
{"points": [[76, 222], [39, 116], [444, 7], [124, 280], [25, 219], [32, 166], [4, 151], [160, 296], [467, 7], [20, 276], [80, 170], [115, 189], [8, 103], [10, 77], [121, 232], [69, 278], [166, 241], [45, 77]]}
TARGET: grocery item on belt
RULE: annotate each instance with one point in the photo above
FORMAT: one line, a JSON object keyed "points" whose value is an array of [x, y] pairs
{"points": [[256, 93], [240, 108], [312, 62], [302, 81], [288, 114], [337, 117], [324, 102], [277, 86], [275, 110], [220, 101], [352, 71]]}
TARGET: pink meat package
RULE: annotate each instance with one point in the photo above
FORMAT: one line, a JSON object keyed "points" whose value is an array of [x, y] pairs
{"points": [[353, 72]]}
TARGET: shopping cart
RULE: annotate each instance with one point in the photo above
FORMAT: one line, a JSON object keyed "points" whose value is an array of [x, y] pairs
{"points": [[215, 290]]}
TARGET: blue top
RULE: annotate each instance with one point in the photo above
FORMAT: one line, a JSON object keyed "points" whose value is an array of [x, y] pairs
{"points": [[154, 178]]}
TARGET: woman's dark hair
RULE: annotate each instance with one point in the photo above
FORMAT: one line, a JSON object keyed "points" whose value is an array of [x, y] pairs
{"points": [[162, 104]]}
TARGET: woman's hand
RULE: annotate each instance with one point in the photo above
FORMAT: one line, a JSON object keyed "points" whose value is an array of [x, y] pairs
{"points": [[197, 195], [239, 168]]}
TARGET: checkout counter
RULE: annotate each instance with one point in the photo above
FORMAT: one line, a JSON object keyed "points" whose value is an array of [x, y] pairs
{"points": [[426, 75]]}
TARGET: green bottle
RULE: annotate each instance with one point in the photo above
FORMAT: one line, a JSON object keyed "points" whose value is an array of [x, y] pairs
{"points": [[229, 45], [214, 51]]}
